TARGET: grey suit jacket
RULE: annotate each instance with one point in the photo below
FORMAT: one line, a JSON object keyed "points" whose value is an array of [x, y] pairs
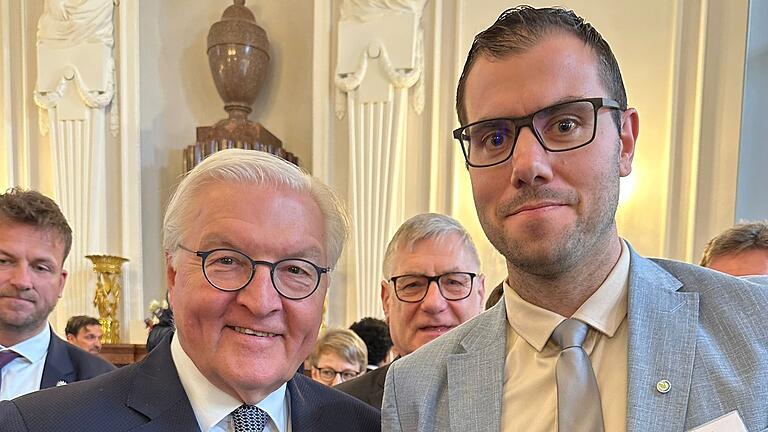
{"points": [[66, 363], [148, 397], [703, 331]]}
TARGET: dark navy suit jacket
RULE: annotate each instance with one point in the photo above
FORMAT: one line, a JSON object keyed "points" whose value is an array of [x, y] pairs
{"points": [[148, 396], [66, 363]]}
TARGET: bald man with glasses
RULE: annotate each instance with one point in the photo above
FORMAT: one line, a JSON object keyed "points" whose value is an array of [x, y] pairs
{"points": [[432, 284]]}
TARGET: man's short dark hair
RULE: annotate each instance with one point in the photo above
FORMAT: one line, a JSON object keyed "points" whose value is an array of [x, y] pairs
{"points": [[77, 322], [519, 29], [30, 207], [375, 333], [740, 238]]}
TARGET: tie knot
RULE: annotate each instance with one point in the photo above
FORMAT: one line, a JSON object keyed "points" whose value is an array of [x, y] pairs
{"points": [[7, 357], [249, 418], [570, 333]]}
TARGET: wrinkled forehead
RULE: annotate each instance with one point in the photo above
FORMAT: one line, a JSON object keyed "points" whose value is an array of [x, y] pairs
{"points": [[451, 244], [92, 328]]}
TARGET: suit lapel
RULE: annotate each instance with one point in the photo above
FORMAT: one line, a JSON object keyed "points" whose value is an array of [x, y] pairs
{"points": [[306, 413], [157, 393], [475, 377], [662, 322], [58, 366]]}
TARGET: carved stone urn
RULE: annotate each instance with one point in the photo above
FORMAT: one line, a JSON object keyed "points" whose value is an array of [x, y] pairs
{"points": [[238, 54]]}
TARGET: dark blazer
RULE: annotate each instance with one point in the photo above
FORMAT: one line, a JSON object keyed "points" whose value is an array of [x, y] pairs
{"points": [[368, 387], [148, 396], [66, 363]]}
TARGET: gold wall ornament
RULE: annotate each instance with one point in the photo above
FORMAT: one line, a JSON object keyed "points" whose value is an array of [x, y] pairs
{"points": [[108, 269]]}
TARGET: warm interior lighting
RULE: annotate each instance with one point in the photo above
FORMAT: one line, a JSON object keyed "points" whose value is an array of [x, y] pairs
{"points": [[627, 188]]}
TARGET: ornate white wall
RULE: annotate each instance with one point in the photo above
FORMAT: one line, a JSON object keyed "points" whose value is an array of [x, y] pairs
{"points": [[378, 71], [66, 132], [682, 60]]}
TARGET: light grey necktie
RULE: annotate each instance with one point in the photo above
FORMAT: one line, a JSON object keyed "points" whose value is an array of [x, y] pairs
{"points": [[249, 418], [578, 398]]}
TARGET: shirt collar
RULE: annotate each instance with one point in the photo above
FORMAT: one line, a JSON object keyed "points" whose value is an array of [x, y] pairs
{"points": [[604, 310], [607, 307], [35, 348], [211, 405]]}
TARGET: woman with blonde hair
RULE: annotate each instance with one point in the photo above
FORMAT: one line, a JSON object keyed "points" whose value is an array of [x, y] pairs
{"points": [[339, 355]]}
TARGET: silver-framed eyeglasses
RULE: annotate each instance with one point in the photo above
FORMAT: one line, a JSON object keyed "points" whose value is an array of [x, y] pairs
{"points": [[232, 270], [558, 128], [412, 288]]}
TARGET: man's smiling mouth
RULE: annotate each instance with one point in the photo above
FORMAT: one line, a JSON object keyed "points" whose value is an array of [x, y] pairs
{"points": [[251, 332]]}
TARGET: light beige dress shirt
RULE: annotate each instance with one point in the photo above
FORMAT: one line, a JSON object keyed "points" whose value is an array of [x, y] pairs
{"points": [[530, 392]]}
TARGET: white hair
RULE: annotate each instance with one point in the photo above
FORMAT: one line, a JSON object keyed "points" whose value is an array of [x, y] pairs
{"points": [[422, 227], [261, 168]]}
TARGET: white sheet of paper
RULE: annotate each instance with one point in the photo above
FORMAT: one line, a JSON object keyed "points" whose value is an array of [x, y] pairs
{"points": [[730, 422]]}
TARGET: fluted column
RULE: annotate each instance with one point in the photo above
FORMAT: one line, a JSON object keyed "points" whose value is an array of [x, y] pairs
{"points": [[380, 65], [75, 87]]}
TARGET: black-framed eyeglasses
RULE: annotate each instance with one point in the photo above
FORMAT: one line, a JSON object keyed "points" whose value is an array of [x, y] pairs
{"points": [[329, 374], [558, 128], [231, 270], [453, 286]]}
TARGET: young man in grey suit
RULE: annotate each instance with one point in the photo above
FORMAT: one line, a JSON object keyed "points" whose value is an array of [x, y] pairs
{"points": [[250, 241], [432, 283], [35, 239], [588, 336]]}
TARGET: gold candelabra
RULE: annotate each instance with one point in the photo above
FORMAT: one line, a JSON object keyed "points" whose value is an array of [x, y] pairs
{"points": [[108, 270]]}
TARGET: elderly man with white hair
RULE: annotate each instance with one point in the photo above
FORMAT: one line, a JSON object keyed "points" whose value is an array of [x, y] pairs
{"points": [[250, 241]]}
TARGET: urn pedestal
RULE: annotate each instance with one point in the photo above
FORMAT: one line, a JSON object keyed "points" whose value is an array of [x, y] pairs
{"points": [[238, 55]]}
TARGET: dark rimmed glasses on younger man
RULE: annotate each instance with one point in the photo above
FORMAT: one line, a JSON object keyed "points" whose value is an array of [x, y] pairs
{"points": [[561, 127]]}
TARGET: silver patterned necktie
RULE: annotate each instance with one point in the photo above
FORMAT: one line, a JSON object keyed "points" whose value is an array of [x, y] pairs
{"points": [[249, 418], [578, 397]]}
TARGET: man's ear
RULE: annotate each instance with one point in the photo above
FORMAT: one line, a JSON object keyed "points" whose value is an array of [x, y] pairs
{"points": [[70, 338], [170, 276], [385, 299], [480, 286], [62, 282], [630, 129]]}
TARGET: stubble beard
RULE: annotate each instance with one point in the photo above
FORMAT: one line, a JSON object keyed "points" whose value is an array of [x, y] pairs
{"points": [[31, 322], [568, 248]]}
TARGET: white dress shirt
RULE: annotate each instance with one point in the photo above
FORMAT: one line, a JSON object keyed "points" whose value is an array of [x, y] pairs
{"points": [[530, 390], [24, 373], [213, 407]]}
